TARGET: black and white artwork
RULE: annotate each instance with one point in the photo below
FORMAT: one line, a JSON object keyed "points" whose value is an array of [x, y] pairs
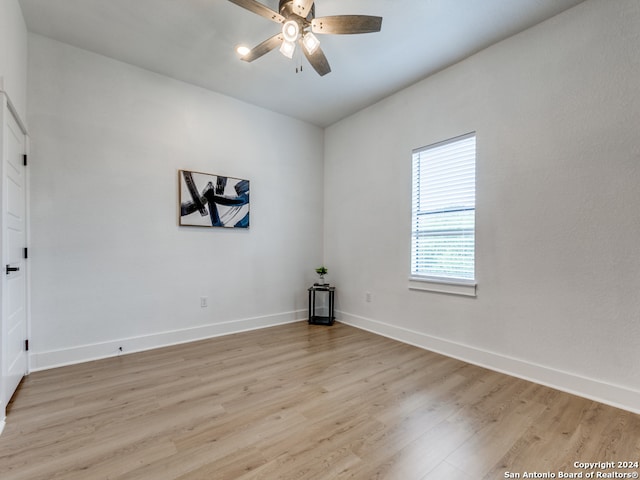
{"points": [[213, 200]]}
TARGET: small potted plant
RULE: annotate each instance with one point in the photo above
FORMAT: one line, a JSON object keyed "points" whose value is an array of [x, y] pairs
{"points": [[322, 271]]}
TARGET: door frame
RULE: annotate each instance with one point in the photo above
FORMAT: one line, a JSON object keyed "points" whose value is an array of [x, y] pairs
{"points": [[7, 108]]}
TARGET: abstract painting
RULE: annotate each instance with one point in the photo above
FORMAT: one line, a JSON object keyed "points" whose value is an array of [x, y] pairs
{"points": [[213, 200]]}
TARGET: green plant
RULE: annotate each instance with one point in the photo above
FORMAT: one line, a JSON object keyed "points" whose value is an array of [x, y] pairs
{"points": [[322, 271]]}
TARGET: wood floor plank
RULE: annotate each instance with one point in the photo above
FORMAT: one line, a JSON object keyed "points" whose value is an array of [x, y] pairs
{"points": [[299, 402], [445, 470]]}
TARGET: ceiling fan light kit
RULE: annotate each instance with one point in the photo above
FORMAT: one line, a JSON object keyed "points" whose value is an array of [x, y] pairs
{"points": [[310, 42], [299, 25], [287, 49], [291, 31]]}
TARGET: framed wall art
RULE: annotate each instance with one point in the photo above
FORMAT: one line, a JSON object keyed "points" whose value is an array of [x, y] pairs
{"points": [[208, 200]]}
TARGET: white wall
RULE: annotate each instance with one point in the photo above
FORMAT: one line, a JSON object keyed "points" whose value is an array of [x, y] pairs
{"points": [[557, 115], [110, 266], [13, 55]]}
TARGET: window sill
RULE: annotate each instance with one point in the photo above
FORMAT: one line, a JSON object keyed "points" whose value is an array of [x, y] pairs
{"points": [[442, 285]]}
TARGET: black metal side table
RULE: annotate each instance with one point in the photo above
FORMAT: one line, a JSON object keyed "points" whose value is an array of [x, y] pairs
{"points": [[321, 319]]}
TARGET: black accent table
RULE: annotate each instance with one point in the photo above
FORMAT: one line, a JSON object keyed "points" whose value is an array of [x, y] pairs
{"points": [[320, 319]]}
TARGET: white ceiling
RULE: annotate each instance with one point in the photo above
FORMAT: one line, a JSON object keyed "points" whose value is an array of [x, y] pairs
{"points": [[195, 40]]}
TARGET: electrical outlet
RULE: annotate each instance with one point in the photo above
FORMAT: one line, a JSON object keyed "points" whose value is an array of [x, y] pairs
{"points": [[367, 297], [204, 302]]}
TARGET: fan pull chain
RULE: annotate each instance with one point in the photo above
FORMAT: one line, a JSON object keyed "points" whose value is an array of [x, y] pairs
{"points": [[298, 61]]}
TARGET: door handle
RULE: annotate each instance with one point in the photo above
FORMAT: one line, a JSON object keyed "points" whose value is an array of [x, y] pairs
{"points": [[12, 269]]}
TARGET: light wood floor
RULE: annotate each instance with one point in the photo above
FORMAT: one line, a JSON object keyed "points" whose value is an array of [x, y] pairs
{"points": [[300, 402]]}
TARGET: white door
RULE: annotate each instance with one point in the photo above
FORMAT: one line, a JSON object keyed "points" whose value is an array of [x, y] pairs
{"points": [[14, 285]]}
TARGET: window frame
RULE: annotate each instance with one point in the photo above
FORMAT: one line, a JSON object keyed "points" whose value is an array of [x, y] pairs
{"points": [[434, 283]]}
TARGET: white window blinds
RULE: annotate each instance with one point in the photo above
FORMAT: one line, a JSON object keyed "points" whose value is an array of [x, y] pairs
{"points": [[443, 213]]}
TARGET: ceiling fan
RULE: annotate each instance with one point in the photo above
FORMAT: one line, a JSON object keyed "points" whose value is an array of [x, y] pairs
{"points": [[299, 25]]}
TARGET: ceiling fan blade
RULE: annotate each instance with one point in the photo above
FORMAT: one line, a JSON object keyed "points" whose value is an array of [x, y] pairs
{"points": [[260, 9], [318, 61], [302, 7], [265, 47], [346, 24]]}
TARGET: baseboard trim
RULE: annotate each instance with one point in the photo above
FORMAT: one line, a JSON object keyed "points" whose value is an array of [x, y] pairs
{"points": [[97, 351], [613, 395]]}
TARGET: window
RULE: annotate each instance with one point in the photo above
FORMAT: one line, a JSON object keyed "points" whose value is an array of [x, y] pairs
{"points": [[443, 213]]}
